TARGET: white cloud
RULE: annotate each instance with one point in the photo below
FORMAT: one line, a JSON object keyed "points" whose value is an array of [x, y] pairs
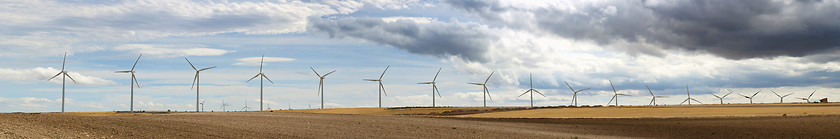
{"points": [[43, 74], [255, 61], [423, 20], [171, 50]]}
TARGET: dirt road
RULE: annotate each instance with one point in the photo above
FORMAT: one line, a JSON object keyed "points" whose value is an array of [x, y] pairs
{"points": [[307, 125]]}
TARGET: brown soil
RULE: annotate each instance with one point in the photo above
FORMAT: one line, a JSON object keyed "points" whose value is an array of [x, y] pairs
{"points": [[309, 125]]}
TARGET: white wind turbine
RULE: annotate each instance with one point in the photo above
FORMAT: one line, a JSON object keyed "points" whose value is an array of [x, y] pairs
{"points": [[809, 97], [196, 81], [202, 104], [653, 97], [63, 80], [574, 93], [486, 92], [224, 105], [722, 97], [689, 97], [434, 87], [532, 90], [781, 97], [133, 82], [246, 108], [261, 75], [615, 95], [321, 85], [381, 87], [750, 97]]}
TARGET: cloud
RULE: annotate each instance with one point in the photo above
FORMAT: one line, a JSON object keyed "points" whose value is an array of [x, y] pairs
{"points": [[467, 40], [171, 50], [730, 29], [255, 61], [43, 74]]}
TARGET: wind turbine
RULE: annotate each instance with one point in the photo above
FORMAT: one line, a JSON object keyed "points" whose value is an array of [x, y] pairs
{"points": [[246, 108], [750, 97], [532, 90], [809, 97], [224, 105], [202, 104], [434, 87], [486, 92], [196, 81], [574, 95], [133, 82], [689, 97], [267, 106], [321, 84], [63, 80], [653, 97], [261, 75], [615, 95], [781, 97], [381, 87], [722, 97]]}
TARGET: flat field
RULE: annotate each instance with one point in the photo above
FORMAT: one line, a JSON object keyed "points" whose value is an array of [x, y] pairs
{"points": [[695, 121]]}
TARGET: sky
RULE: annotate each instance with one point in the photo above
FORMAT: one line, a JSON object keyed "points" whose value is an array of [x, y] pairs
{"points": [[709, 46]]}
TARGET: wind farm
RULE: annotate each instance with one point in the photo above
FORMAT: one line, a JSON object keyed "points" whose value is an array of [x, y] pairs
{"points": [[551, 66]]}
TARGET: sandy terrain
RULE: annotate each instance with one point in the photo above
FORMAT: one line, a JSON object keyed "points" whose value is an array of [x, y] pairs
{"points": [[308, 125], [671, 111], [696, 121]]}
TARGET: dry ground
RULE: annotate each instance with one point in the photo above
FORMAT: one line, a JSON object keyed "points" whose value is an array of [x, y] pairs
{"points": [[696, 121]]}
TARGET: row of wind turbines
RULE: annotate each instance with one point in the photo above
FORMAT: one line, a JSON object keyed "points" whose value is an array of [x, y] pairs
{"points": [[485, 91]]}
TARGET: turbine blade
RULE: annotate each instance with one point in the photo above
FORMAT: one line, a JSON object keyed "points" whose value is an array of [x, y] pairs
{"points": [[266, 77], [787, 95], [488, 92], [56, 75], [526, 92], [191, 65], [436, 74], [135, 62], [316, 73], [727, 94], [383, 89], [538, 92], [370, 80], [774, 92], [476, 83], [684, 101], [124, 71], [611, 99], [252, 78], [207, 68], [383, 72], [436, 89], [756, 93], [71, 77], [651, 92], [570, 87], [194, 79], [488, 77], [135, 80], [64, 61], [325, 75], [715, 95], [581, 90], [425, 83], [812, 93]]}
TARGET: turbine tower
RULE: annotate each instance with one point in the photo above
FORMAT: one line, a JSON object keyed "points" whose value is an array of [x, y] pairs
{"points": [[261, 75], [808, 98], [381, 87], [196, 81], [574, 95], [486, 92], [321, 85], [63, 80], [133, 82], [750, 97], [434, 87], [653, 97], [689, 97], [722, 97], [615, 95], [532, 90], [224, 105], [781, 97]]}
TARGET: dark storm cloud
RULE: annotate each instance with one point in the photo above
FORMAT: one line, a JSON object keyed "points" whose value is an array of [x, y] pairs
{"points": [[733, 29], [466, 40]]}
